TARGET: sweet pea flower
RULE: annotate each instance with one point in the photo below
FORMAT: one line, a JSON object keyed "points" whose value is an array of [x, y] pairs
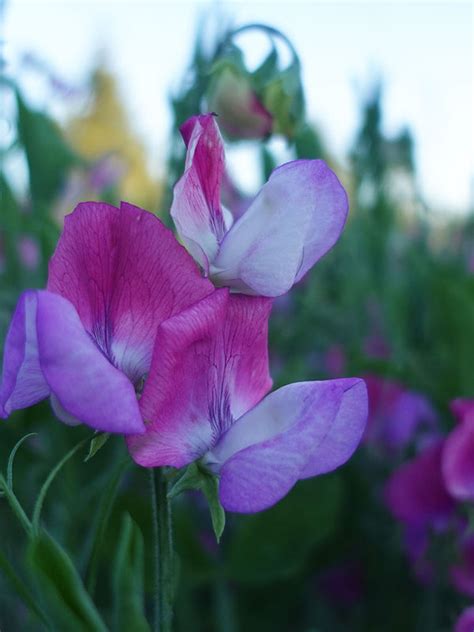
{"points": [[294, 220], [87, 340], [206, 398], [397, 416], [458, 455], [416, 494], [465, 623], [241, 113]]}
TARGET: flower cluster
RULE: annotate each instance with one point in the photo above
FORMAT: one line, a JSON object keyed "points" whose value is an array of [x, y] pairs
{"points": [[425, 493], [131, 336]]}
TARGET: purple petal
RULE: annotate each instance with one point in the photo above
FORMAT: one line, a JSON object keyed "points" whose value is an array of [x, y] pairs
{"points": [[210, 366], [294, 220], [196, 208], [23, 383], [283, 439], [125, 273], [458, 461], [344, 434], [415, 493], [49, 351], [465, 623]]}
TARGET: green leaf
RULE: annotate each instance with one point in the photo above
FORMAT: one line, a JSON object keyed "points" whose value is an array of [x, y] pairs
{"points": [[22, 590], [48, 155], [11, 458], [276, 543], [196, 477], [15, 505], [52, 475], [97, 442], [129, 572], [210, 489], [69, 604], [267, 70]]}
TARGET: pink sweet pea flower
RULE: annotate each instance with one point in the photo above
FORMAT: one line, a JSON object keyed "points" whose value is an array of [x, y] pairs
{"points": [[87, 340], [465, 623], [294, 220], [415, 492], [458, 454], [206, 398]]}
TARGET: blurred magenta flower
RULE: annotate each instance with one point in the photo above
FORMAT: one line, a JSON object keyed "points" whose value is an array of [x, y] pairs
{"points": [[241, 114], [465, 623], [416, 494], [335, 361], [458, 455], [294, 220], [343, 584], [29, 252], [87, 340], [397, 416], [206, 398]]}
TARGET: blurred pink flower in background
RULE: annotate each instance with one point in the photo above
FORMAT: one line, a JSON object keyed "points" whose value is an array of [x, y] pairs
{"points": [[29, 252], [465, 623], [458, 455]]}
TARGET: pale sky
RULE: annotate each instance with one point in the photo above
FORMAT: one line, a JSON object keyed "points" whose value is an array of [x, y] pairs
{"points": [[423, 50]]}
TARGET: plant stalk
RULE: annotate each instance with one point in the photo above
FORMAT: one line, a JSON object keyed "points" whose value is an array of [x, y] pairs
{"points": [[163, 551]]}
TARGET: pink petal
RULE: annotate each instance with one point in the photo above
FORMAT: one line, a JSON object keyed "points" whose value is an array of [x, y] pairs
{"points": [[282, 440], [458, 461], [49, 351], [125, 273], [294, 220], [196, 208], [463, 408], [210, 366]]}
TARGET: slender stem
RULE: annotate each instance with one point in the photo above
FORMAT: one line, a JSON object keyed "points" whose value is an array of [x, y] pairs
{"points": [[163, 552]]}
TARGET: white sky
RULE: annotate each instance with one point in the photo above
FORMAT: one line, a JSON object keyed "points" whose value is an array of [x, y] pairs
{"points": [[423, 50]]}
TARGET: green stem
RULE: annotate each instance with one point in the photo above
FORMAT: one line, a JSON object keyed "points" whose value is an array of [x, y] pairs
{"points": [[163, 551]]}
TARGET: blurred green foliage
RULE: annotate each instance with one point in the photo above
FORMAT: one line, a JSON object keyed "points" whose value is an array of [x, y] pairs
{"points": [[394, 275]]}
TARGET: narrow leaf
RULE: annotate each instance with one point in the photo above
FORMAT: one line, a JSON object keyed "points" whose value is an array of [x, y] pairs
{"points": [[22, 590], [62, 587], [48, 481], [129, 580], [11, 458], [97, 442]]}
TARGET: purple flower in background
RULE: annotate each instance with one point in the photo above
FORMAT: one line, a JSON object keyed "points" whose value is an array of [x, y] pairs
{"points": [[458, 456], [294, 220], [343, 584], [206, 398], [87, 341], [416, 494], [465, 623], [29, 252], [397, 416]]}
